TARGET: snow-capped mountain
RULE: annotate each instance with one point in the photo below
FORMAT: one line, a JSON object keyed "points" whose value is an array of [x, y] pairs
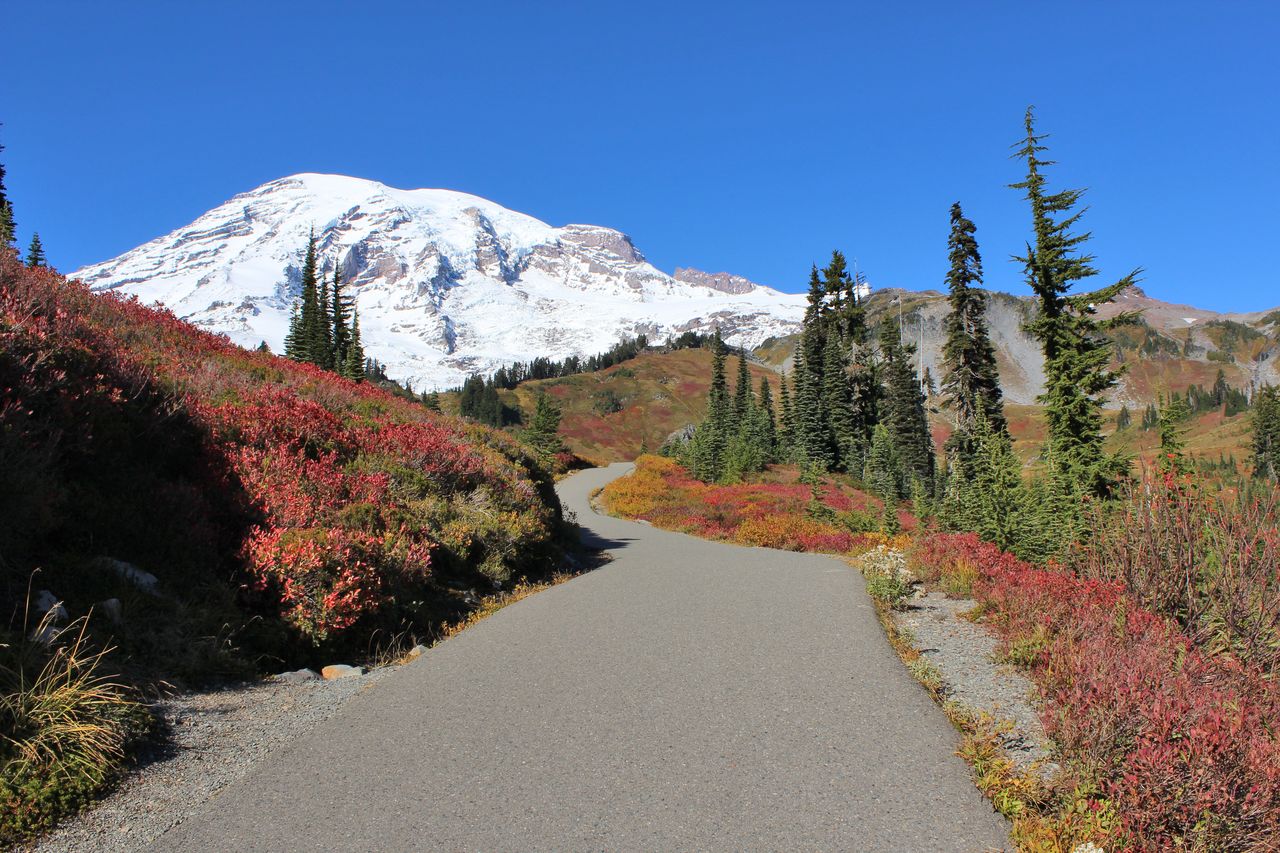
{"points": [[446, 283]]}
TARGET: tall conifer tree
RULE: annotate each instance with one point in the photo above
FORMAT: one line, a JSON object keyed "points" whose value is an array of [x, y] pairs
{"points": [[971, 381], [1266, 433], [742, 399], [904, 414], [1075, 351], [8, 224]]}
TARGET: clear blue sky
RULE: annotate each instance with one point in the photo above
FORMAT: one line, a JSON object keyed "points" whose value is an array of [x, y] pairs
{"points": [[742, 136]]}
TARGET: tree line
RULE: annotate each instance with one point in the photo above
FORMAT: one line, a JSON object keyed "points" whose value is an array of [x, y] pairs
{"points": [[855, 403], [9, 229], [324, 326]]}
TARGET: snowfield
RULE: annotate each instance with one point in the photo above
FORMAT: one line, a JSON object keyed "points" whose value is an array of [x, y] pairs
{"points": [[446, 283]]}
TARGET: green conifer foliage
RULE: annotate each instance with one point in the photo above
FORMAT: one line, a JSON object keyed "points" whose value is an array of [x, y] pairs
{"points": [[354, 367], [742, 398], [35, 253], [339, 318], [768, 421], [543, 433], [786, 418], [903, 410], [1173, 444], [1124, 420], [1266, 433], [970, 380], [882, 472], [1075, 350], [7, 228]]}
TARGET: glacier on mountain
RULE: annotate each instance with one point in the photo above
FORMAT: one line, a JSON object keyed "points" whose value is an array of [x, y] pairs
{"points": [[446, 283]]}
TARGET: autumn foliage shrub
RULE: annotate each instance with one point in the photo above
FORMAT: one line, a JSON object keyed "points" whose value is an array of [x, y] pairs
{"points": [[762, 514], [1175, 731], [341, 508]]}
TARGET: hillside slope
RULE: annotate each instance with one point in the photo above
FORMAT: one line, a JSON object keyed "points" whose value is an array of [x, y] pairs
{"points": [[281, 511]]}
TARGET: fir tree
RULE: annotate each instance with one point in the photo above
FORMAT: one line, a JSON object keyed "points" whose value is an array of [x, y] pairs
{"points": [[704, 455], [431, 401], [293, 346], [1124, 420], [1266, 433], [812, 439], [1173, 445], [354, 368], [8, 224], [323, 345], [904, 415], [845, 437], [769, 421], [339, 317], [970, 380], [1076, 352], [786, 418], [882, 472], [543, 433], [305, 332], [742, 399], [35, 253]]}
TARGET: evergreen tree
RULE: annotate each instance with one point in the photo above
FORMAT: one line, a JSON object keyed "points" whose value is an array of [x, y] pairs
{"points": [[354, 368], [307, 337], [7, 229], [970, 380], [339, 317], [904, 414], [742, 399], [293, 345], [812, 439], [1124, 420], [1173, 445], [324, 328], [431, 401], [543, 433], [1076, 352], [1150, 417], [845, 437], [786, 419], [882, 472], [35, 253], [769, 421], [1266, 433], [704, 455], [8, 224]]}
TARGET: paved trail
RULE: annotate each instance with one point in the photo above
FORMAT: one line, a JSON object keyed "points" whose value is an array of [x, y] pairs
{"points": [[687, 696]]}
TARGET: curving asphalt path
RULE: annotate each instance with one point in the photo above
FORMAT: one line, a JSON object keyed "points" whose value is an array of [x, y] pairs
{"points": [[688, 695]]}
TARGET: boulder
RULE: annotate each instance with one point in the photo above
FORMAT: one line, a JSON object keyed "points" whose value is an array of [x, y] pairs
{"points": [[298, 676], [334, 671], [112, 610], [415, 652], [143, 580]]}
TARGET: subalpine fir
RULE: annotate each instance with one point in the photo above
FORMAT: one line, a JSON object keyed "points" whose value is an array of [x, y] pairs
{"points": [[1076, 351]]}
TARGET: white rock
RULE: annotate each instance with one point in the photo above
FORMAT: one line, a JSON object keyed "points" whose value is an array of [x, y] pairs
{"points": [[143, 580], [298, 676], [415, 652]]}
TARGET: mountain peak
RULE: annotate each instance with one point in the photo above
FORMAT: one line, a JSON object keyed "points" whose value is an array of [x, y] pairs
{"points": [[447, 283]]}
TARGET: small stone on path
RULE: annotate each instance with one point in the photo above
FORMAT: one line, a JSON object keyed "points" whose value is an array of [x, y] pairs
{"points": [[335, 671]]}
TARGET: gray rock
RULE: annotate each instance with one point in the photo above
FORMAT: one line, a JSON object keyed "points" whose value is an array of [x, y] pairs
{"points": [[415, 652], [143, 580], [112, 610], [297, 676], [334, 671], [45, 601]]}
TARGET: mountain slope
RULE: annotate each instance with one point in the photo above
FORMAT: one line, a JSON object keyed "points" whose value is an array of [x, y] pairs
{"points": [[446, 283]]}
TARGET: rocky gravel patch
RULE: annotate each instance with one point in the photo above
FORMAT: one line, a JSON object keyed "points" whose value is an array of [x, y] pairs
{"points": [[963, 652], [211, 739]]}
